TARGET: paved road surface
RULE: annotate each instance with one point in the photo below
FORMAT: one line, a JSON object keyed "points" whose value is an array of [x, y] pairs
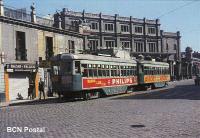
{"points": [[170, 112]]}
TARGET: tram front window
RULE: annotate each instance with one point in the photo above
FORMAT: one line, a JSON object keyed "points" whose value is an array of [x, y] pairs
{"points": [[56, 70], [66, 68]]}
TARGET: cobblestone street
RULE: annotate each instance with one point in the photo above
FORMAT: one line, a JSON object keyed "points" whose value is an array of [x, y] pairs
{"points": [[170, 112]]}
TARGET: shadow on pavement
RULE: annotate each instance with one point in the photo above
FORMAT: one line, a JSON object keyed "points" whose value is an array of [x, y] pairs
{"points": [[189, 92], [54, 100], [137, 126]]}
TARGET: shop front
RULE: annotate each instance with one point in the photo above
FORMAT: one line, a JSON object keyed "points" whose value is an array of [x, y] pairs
{"points": [[18, 79]]}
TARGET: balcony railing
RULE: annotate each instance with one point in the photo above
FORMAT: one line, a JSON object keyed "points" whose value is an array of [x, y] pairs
{"points": [[72, 28], [19, 14], [44, 21]]}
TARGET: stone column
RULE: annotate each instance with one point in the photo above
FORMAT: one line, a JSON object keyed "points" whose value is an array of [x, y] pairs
{"points": [[187, 70], [59, 22], [33, 14], [83, 15], [178, 70], [171, 69], [145, 34], [190, 70], [116, 30], [85, 42], [1, 8], [157, 35], [131, 35], [100, 30]]}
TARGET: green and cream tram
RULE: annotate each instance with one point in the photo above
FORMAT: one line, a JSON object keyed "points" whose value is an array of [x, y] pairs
{"points": [[153, 74], [92, 75]]}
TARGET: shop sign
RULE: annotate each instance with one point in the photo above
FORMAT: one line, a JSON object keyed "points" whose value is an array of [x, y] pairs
{"points": [[20, 67]]}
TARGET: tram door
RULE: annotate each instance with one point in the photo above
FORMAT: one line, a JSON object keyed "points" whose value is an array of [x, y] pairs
{"points": [[140, 73], [77, 77]]}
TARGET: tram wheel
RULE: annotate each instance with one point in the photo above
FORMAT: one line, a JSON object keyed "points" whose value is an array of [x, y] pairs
{"points": [[86, 96]]}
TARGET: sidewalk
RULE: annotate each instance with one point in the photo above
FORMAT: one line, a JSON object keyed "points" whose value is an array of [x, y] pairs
{"points": [[23, 102]]}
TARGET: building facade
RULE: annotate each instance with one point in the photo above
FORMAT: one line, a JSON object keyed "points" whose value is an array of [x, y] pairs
{"points": [[27, 42], [190, 63], [138, 36]]}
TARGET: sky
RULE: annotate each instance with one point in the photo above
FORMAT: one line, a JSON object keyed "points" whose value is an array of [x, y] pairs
{"points": [[174, 15]]}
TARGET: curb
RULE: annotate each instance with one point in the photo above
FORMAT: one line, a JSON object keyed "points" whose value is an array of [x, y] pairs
{"points": [[4, 104]]}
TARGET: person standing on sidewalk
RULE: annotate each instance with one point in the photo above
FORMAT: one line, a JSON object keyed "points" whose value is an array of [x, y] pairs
{"points": [[41, 88]]}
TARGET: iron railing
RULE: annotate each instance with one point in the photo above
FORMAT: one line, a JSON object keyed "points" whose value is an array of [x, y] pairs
{"points": [[19, 14]]}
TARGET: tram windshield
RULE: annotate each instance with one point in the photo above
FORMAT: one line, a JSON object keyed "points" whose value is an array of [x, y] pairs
{"points": [[66, 68], [56, 70]]}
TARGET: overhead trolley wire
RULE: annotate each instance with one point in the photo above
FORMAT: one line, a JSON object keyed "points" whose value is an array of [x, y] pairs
{"points": [[177, 8]]}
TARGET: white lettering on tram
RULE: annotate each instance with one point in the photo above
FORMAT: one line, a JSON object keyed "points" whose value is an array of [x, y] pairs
{"points": [[117, 81]]}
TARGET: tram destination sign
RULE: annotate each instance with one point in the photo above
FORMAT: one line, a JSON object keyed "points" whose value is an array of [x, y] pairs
{"points": [[20, 67]]}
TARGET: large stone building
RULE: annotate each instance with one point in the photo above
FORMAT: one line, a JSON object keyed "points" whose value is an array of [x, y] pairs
{"points": [[139, 36]]}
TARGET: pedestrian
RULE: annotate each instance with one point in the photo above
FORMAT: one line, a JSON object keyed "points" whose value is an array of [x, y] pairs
{"points": [[41, 88], [30, 91]]}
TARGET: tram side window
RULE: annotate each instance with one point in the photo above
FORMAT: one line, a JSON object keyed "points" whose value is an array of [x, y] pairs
{"points": [[113, 69], [123, 71], [129, 71], [100, 73], [84, 70], [103, 70], [135, 70], [118, 71], [77, 67], [95, 70], [168, 71], [153, 71], [107, 70], [165, 69], [145, 70], [158, 69], [90, 70]]}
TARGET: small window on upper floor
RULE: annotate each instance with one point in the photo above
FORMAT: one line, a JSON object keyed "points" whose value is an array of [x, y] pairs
{"points": [[71, 46], [175, 46], [167, 46], [20, 50], [109, 27], [110, 44], [138, 29], [126, 45], [93, 45], [94, 26], [124, 28], [139, 46], [151, 30]]}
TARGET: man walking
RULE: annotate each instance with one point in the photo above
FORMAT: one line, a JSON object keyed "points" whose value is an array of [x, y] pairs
{"points": [[41, 88]]}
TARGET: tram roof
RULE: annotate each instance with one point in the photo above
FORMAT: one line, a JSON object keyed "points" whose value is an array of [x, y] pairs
{"points": [[154, 63], [69, 56]]}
